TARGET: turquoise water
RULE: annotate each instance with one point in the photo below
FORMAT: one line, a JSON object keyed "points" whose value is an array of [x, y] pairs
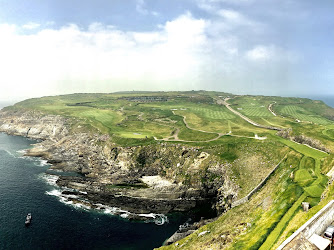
{"points": [[55, 225]]}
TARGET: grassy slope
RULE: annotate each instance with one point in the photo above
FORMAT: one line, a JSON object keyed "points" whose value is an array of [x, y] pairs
{"points": [[269, 212], [275, 210], [271, 223]]}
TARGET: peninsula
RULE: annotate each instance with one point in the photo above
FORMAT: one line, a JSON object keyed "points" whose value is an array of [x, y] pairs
{"points": [[246, 161]]}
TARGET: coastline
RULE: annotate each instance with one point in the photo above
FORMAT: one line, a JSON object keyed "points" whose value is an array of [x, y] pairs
{"points": [[109, 174], [327, 99], [24, 188]]}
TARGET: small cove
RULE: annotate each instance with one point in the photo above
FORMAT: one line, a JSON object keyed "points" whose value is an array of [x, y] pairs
{"points": [[56, 225]]}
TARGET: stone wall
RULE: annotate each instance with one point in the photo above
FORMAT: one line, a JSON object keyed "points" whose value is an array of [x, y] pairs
{"points": [[316, 225], [321, 221], [257, 188]]}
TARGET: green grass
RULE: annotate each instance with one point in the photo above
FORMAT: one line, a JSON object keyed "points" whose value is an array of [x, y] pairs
{"points": [[247, 161], [252, 106], [214, 113], [329, 133], [260, 111], [142, 129], [302, 148], [197, 123], [303, 177], [133, 135], [229, 156], [193, 135], [308, 162], [273, 236], [314, 190], [303, 114]]}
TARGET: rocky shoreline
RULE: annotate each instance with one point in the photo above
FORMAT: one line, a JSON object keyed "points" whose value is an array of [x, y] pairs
{"points": [[160, 178]]}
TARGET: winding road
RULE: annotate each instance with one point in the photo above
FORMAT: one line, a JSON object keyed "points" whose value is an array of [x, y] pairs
{"points": [[175, 135], [227, 105], [270, 108]]}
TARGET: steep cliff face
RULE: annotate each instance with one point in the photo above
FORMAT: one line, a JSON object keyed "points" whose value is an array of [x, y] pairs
{"points": [[158, 178], [33, 124]]}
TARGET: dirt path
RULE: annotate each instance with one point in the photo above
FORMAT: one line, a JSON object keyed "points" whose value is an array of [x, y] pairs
{"points": [[270, 123], [227, 105], [187, 125], [270, 108], [175, 135], [256, 137]]}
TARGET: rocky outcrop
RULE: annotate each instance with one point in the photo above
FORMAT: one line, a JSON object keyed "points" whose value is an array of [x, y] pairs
{"points": [[33, 124], [302, 139], [158, 178], [185, 230]]}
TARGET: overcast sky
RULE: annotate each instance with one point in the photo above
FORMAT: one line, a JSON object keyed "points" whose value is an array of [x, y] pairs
{"points": [[271, 47]]}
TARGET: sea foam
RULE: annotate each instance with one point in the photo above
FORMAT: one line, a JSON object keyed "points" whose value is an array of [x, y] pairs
{"points": [[78, 202], [50, 179]]}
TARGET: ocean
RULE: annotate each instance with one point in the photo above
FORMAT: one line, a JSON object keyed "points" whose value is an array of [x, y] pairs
{"points": [[329, 100], [26, 188]]}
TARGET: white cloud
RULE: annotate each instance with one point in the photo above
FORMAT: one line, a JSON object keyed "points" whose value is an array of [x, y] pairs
{"points": [[69, 59], [227, 19], [141, 8], [233, 16], [272, 53], [261, 53], [183, 53], [31, 26], [214, 4]]}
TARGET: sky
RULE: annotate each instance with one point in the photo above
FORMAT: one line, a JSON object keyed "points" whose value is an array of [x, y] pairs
{"points": [[267, 47]]}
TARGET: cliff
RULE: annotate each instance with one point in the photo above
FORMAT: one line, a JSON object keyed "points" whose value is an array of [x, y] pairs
{"points": [[158, 178]]}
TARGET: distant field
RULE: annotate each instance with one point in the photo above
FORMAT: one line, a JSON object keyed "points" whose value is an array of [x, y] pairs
{"points": [[252, 106], [260, 111], [303, 115], [221, 114], [256, 108]]}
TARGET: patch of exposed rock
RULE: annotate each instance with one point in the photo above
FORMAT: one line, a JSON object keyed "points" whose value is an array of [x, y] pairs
{"points": [[187, 229]]}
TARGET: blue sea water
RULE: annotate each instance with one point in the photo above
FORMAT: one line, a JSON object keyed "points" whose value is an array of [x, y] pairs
{"points": [[328, 99], [56, 225]]}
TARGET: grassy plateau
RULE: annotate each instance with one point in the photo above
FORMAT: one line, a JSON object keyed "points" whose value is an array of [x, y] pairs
{"points": [[200, 119]]}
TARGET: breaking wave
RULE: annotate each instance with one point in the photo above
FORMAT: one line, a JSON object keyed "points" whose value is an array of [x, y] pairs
{"points": [[22, 152], [43, 163], [74, 198], [37, 161], [50, 179], [79, 203]]}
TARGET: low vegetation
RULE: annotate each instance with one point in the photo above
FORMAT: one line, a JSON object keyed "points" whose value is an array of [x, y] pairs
{"points": [[195, 119]]}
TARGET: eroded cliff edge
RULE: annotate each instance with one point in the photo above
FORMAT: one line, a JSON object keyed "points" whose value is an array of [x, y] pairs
{"points": [[158, 178]]}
